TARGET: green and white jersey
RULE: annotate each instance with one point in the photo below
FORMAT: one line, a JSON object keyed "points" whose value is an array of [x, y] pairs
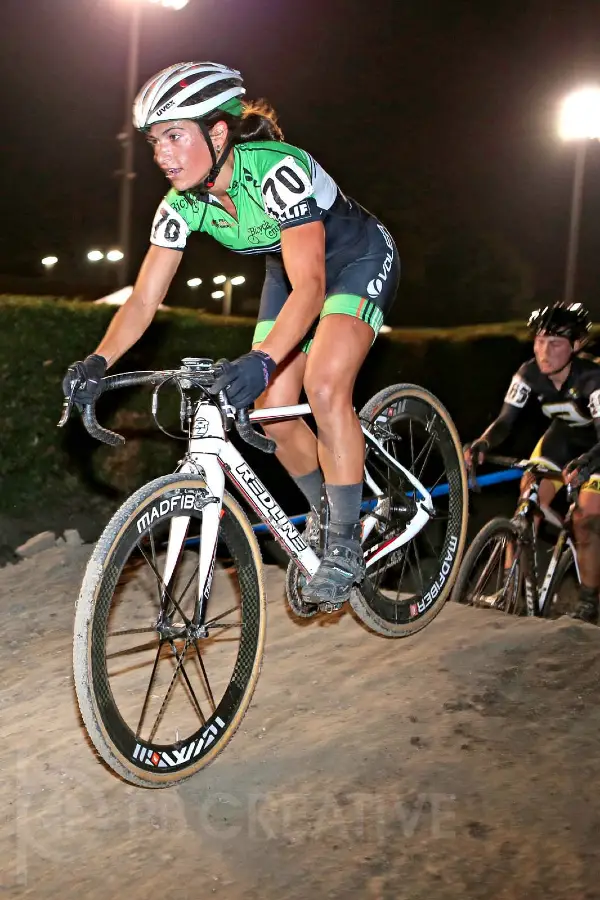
{"points": [[274, 186]]}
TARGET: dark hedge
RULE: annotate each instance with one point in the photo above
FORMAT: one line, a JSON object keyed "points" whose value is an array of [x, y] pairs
{"points": [[468, 369]]}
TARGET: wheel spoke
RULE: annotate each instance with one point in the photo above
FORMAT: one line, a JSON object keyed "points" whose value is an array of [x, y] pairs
{"points": [[147, 697], [131, 651], [415, 547], [167, 593], [432, 487], [179, 671], [411, 567], [497, 555], [151, 629], [155, 568], [401, 579], [205, 678], [427, 455], [417, 460], [212, 622], [186, 679]]}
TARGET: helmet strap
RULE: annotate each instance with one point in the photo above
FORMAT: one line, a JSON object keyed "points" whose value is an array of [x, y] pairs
{"points": [[556, 371], [217, 162]]}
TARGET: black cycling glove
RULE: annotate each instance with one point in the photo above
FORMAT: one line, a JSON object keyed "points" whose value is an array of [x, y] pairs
{"points": [[478, 448], [244, 379], [88, 375], [583, 465]]}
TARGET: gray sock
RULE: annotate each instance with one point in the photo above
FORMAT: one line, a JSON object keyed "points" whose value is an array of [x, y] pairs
{"points": [[311, 486], [344, 507]]}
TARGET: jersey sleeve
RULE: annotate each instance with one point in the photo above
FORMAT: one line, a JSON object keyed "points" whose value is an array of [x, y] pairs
{"points": [[169, 228], [288, 191], [593, 391], [519, 389]]}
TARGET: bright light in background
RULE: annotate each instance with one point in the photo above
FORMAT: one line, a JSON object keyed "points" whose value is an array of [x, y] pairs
{"points": [[171, 4], [217, 295], [580, 115], [219, 279], [114, 256], [95, 255], [49, 261], [194, 282], [239, 279]]}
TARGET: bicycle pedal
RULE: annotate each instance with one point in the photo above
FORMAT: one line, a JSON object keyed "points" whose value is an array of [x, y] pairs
{"points": [[329, 607]]}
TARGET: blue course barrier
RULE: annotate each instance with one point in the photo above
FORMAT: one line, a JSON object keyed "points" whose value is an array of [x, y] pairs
{"points": [[439, 491]]}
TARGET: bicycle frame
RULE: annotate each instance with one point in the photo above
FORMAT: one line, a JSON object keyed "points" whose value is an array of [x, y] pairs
{"points": [[536, 598], [213, 456]]}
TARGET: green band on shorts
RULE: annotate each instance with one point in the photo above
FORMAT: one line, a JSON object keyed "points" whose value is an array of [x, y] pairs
{"points": [[353, 305], [344, 304], [262, 330]]}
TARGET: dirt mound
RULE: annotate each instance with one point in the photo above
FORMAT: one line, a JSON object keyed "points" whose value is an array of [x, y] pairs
{"points": [[462, 762]]}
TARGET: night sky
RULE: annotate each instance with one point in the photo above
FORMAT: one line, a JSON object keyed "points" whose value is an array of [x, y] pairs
{"points": [[428, 111]]}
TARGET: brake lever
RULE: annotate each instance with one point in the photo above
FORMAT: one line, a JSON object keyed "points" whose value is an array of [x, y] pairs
{"points": [[67, 406], [472, 482], [228, 409]]}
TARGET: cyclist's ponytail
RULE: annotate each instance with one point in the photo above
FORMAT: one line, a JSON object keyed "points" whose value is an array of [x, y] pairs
{"points": [[258, 122]]}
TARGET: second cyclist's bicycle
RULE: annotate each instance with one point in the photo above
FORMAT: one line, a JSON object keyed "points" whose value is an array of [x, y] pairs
{"points": [[504, 567], [170, 622]]}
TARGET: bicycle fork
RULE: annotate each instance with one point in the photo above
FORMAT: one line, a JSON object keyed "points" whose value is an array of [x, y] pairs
{"points": [[527, 543], [211, 507], [548, 583]]}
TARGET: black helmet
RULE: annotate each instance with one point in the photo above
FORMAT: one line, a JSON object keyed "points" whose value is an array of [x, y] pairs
{"points": [[572, 322]]}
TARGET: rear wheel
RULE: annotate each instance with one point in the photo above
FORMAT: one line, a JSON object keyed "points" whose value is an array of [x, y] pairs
{"points": [[565, 590], [406, 588]]}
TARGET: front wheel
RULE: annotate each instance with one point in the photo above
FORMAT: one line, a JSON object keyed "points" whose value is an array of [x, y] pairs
{"points": [[492, 572], [406, 588], [164, 675]]}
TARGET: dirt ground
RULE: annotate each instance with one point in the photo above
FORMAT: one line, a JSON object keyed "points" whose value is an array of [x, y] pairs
{"points": [[462, 762]]}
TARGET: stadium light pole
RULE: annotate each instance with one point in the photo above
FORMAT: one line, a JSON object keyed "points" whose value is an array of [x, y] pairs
{"points": [[227, 291], [580, 122], [126, 136]]}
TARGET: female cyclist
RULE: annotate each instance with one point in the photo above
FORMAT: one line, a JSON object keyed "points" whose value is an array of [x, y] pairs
{"points": [[332, 272]]}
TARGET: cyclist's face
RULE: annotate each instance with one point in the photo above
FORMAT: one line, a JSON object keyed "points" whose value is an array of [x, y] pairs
{"points": [[181, 152], [552, 353]]}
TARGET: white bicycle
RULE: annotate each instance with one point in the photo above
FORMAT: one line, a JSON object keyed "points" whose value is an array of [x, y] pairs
{"points": [[170, 621]]}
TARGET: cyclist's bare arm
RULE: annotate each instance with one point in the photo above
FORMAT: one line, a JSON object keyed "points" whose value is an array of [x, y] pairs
{"points": [[303, 251], [132, 319]]}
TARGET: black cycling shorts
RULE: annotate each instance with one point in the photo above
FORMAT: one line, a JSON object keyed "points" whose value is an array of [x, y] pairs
{"points": [[559, 445], [362, 284]]}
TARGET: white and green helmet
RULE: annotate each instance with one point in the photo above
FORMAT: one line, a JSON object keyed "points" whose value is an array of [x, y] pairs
{"points": [[188, 91]]}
